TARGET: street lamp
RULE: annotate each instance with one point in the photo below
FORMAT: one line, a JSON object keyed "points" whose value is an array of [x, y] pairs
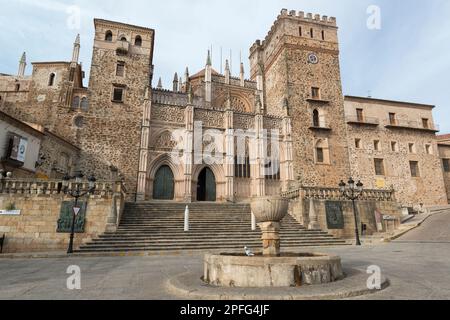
{"points": [[76, 193], [352, 192]]}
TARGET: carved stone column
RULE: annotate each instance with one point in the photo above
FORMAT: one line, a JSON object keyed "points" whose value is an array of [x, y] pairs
{"points": [[230, 155], [188, 152], [144, 147]]}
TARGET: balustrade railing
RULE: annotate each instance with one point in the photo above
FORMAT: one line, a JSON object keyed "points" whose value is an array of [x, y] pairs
{"points": [[54, 187], [335, 194]]}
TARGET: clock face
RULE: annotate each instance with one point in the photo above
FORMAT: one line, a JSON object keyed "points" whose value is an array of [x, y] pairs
{"points": [[312, 58]]}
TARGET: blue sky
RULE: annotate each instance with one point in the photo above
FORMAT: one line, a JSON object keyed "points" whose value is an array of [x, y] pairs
{"points": [[407, 59]]}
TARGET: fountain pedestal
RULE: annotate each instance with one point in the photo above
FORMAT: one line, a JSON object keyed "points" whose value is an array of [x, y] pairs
{"points": [[271, 238], [271, 268]]}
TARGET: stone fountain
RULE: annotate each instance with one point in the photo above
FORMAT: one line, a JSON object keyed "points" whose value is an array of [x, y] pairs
{"points": [[271, 268]]}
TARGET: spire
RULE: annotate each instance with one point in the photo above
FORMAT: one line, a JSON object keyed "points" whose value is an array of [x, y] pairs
{"points": [[76, 49], [186, 75], [242, 75], [22, 65], [208, 59], [227, 72], [160, 86], [180, 85], [175, 82]]}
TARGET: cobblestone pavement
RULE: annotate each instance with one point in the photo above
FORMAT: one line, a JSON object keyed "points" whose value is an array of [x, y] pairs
{"points": [[418, 266]]}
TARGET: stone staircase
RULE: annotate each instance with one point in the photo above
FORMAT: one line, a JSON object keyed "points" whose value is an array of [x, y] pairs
{"points": [[159, 226]]}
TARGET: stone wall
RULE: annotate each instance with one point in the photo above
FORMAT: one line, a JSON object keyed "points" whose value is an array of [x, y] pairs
{"points": [[410, 140], [372, 201], [444, 153], [35, 228]]}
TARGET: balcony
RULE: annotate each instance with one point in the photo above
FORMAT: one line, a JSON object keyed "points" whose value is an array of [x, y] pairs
{"points": [[318, 100], [122, 48], [320, 127], [411, 125], [363, 121]]}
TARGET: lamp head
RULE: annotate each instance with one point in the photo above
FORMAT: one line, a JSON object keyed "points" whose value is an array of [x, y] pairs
{"points": [[342, 186], [360, 186], [92, 181], [351, 183]]}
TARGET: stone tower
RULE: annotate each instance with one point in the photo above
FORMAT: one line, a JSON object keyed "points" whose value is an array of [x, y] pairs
{"points": [[120, 95], [297, 72]]}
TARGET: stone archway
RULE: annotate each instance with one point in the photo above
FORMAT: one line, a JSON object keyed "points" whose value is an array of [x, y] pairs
{"points": [[164, 184], [206, 186]]}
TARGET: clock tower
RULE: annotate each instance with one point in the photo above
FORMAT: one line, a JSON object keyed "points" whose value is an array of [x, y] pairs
{"points": [[297, 70]]}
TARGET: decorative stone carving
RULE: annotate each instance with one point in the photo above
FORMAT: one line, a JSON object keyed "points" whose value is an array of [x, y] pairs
{"points": [[244, 121], [213, 119], [168, 114]]}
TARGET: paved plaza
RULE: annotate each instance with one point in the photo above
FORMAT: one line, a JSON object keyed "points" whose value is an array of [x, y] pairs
{"points": [[417, 266]]}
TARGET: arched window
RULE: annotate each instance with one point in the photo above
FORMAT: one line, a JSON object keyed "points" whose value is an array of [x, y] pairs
{"points": [[138, 41], [311, 32], [17, 87], [84, 104], [123, 38], [51, 80], [75, 102], [108, 36], [323, 35], [316, 118]]}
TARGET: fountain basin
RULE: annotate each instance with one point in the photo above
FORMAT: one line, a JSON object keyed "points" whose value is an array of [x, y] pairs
{"points": [[286, 270]]}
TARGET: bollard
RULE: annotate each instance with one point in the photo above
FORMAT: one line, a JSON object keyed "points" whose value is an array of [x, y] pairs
{"points": [[186, 219], [253, 222]]}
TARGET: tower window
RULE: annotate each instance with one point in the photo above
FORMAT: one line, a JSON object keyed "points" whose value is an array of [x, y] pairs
{"points": [[323, 35], [379, 167], [358, 143], [446, 165], [322, 153], [425, 123], [394, 146], [118, 94], [315, 93], [414, 165], [392, 119], [376, 145], [75, 102], [319, 155], [51, 80], [300, 31], [311, 32], [108, 36], [123, 38], [84, 104], [316, 119], [360, 115], [120, 70], [138, 41], [411, 148], [428, 149]]}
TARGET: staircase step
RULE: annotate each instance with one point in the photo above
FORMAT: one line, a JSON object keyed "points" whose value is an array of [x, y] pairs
{"points": [[159, 226]]}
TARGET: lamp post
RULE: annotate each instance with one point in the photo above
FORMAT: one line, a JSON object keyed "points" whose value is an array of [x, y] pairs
{"points": [[352, 192], [76, 193]]}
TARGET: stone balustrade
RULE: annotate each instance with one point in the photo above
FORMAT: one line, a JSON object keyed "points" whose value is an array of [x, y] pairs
{"points": [[318, 193], [51, 187]]}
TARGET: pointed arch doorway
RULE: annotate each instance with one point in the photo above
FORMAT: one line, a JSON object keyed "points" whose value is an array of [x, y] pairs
{"points": [[164, 184], [206, 186]]}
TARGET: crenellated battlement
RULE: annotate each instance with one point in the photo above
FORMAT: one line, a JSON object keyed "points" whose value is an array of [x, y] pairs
{"points": [[300, 16], [309, 17]]}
